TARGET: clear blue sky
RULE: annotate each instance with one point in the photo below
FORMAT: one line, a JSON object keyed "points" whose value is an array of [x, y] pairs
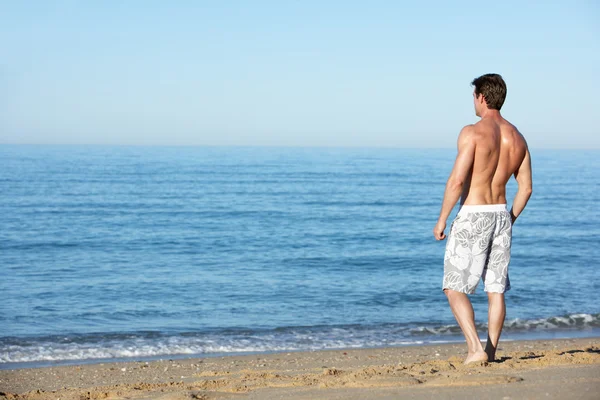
{"points": [[308, 73]]}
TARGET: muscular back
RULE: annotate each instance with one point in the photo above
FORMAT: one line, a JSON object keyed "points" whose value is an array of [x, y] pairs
{"points": [[499, 152]]}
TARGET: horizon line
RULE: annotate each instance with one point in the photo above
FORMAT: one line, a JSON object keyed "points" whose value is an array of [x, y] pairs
{"points": [[317, 146]]}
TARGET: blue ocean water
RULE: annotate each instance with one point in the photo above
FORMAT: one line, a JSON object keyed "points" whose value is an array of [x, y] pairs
{"points": [[118, 252]]}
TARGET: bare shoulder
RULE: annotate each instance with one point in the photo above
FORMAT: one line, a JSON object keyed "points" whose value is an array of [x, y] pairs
{"points": [[514, 132], [468, 133], [508, 126]]}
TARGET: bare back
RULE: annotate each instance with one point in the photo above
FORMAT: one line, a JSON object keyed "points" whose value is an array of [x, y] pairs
{"points": [[499, 152]]}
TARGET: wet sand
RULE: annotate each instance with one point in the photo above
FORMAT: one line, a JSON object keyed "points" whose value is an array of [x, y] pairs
{"points": [[524, 370]]}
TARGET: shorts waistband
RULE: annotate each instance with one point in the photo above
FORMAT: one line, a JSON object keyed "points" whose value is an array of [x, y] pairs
{"points": [[482, 208]]}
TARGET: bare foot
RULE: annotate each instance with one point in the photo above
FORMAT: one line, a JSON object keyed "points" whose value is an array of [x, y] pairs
{"points": [[476, 357]]}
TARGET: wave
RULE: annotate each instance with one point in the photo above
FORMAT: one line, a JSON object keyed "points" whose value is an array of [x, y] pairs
{"points": [[572, 321], [152, 344]]}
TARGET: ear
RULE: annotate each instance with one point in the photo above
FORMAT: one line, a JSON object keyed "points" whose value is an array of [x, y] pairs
{"points": [[481, 99]]}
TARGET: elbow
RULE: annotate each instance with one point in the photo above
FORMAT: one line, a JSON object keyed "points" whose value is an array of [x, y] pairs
{"points": [[455, 184]]}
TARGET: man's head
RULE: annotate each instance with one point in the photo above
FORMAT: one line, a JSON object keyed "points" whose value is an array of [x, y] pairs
{"points": [[489, 93]]}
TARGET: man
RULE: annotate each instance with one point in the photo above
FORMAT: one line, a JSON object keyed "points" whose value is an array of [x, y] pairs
{"points": [[478, 247]]}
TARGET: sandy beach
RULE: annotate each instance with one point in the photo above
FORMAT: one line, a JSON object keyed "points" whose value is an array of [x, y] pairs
{"points": [[566, 368]]}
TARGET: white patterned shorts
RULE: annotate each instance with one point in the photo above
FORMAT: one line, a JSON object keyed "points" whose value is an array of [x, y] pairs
{"points": [[479, 248]]}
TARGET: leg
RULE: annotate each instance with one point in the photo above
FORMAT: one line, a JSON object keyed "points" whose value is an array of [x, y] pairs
{"points": [[498, 282], [496, 315], [465, 316]]}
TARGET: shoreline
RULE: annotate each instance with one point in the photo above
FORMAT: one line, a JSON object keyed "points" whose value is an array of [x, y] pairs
{"points": [[348, 373], [567, 331], [509, 337]]}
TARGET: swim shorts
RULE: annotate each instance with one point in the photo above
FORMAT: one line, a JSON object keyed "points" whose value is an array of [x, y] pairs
{"points": [[478, 247]]}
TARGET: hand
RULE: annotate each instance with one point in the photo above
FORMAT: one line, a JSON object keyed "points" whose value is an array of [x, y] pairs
{"points": [[438, 231]]}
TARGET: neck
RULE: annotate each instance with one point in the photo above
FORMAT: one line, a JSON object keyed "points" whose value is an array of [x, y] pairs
{"points": [[490, 113]]}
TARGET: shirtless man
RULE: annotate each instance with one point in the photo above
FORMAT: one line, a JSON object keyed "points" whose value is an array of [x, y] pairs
{"points": [[478, 247]]}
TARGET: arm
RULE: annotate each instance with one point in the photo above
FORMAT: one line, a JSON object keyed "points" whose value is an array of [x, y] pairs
{"points": [[458, 176], [524, 181]]}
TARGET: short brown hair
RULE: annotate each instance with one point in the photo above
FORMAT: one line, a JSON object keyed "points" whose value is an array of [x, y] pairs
{"points": [[493, 89]]}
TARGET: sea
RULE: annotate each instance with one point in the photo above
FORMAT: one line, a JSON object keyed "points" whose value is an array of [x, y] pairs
{"points": [[111, 253]]}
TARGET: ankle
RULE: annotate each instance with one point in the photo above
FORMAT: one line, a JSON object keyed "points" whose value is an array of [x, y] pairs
{"points": [[475, 346], [491, 352], [476, 349], [490, 347]]}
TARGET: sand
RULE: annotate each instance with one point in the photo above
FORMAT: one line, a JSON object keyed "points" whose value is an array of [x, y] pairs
{"points": [[557, 369]]}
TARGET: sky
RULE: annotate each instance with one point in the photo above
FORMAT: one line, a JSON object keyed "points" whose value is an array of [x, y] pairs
{"points": [[294, 73]]}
